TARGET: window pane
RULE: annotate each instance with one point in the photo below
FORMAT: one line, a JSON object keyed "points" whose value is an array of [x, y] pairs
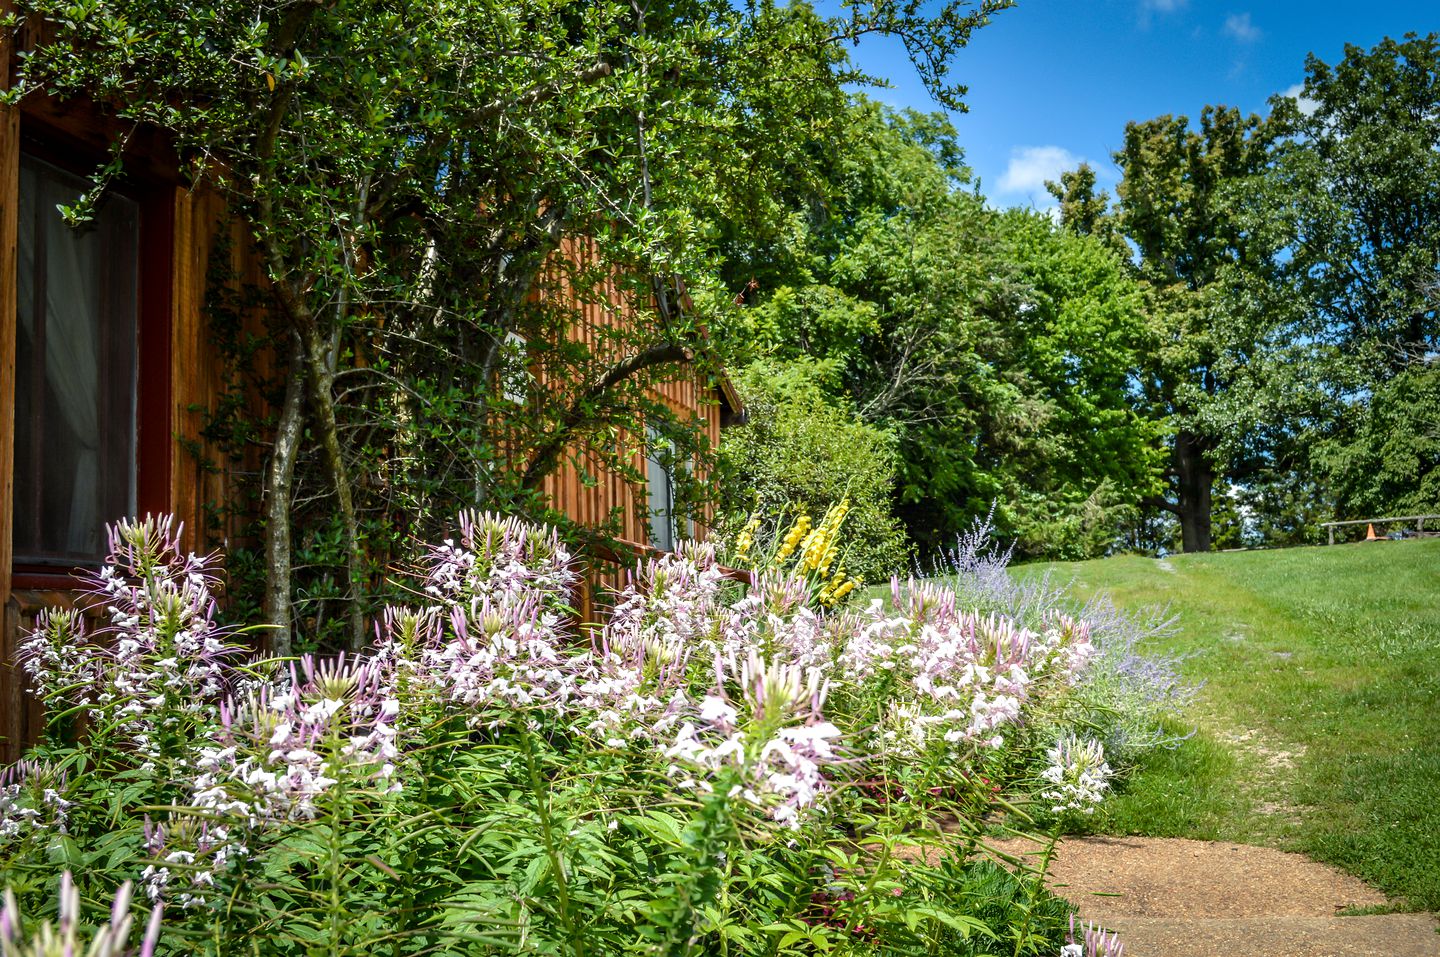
{"points": [[75, 370], [661, 492]]}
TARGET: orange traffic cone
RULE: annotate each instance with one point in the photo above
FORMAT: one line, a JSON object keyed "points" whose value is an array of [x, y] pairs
{"points": [[1370, 535]]}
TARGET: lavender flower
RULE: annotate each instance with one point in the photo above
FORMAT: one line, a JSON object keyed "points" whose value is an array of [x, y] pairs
{"points": [[1132, 688]]}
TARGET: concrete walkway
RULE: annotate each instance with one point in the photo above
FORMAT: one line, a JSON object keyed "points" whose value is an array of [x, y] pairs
{"points": [[1179, 898]]}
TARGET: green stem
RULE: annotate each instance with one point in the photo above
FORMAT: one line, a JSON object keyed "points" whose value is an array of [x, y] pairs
{"points": [[547, 833], [1036, 888]]}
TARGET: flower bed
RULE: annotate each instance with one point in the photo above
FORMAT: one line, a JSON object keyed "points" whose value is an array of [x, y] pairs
{"points": [[715, 770]]}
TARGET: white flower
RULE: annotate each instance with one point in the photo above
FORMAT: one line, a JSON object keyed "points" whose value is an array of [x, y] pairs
{"points": [[1079, 775]]}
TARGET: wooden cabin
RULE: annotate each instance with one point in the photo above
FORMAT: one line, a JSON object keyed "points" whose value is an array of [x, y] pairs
{"points": [[104, 358]]}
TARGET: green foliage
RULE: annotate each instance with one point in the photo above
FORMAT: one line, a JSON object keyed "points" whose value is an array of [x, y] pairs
{"points": [[799, 453], [423, 186], [1174, 205], [1386, 459], [1353, 206], [996, 349], [1290, 268]]}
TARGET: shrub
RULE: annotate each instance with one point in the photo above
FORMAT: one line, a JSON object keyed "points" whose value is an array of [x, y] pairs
{"points": [[716, 769], [799, 454]]}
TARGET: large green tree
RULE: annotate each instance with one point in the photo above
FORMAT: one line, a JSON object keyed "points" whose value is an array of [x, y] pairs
{"points": [[409, 172], [1174, 207], [1354, 202]]}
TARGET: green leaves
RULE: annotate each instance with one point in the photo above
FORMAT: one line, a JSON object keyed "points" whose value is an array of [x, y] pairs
{"points": [[995, 353]]}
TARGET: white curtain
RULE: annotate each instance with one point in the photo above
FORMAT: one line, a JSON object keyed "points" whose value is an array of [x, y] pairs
{"points": [[71, 362]]}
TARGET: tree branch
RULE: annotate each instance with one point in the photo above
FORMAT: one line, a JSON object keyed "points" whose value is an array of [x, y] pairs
{"points": [[1154, 501], [540, 93], [547, 452]]}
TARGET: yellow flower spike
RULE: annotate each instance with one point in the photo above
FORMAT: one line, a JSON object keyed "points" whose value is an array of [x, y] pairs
{"points": [[742, 545], [792, 539], [820, 547]]}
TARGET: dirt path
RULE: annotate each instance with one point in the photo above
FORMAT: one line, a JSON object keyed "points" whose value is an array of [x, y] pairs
{"points": [[1177, 898]]}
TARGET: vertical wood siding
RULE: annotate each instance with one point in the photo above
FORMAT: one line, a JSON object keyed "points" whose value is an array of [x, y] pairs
{"points": [[198, 473]]}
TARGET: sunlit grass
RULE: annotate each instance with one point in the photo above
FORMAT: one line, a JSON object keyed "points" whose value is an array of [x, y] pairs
{"points": [[1319, 720]]}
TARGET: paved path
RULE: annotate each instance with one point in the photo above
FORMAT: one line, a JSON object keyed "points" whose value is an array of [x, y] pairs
{"points": [[1179, 898]]}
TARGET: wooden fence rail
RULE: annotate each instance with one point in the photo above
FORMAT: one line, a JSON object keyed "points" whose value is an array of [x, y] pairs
{"points": [[1419, 521]]}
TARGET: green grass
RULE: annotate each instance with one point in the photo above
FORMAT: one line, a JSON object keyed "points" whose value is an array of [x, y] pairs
{"points": [[1319, 719]]}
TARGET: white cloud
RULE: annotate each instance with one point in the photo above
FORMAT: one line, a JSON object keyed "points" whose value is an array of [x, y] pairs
{"points": [[1239, 26], [1149, 8], [1031, 166], [1306, 105]]}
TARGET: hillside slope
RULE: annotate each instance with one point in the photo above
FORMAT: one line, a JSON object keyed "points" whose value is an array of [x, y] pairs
{"points": [[1319, 719]]}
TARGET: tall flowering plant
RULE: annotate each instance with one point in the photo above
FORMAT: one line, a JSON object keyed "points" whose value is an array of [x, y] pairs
{"points": [[806, 552], [64, 939], [151, 675], [487, 779]]}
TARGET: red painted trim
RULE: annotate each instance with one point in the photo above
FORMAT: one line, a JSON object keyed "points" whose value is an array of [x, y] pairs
{"points": [[22, 580], [154, 440]]}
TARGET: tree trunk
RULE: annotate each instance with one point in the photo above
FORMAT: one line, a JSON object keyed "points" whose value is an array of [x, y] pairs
{"points": [[1195, 479], [319, 375], [277, 508]]}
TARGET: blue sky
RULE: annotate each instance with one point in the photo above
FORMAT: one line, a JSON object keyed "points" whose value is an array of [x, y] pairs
{"points": [[1053, 82]]}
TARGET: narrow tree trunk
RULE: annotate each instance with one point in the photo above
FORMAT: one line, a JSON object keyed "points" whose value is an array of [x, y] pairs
{"points": [[1195, 480], [277, 508], [320, 379]]}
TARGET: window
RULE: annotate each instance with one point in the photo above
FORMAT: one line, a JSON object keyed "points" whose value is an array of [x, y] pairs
{"points": [[76, 370], [660, 485]]}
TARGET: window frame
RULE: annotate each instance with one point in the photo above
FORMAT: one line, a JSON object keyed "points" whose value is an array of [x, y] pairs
{"points": [[155, 199]]}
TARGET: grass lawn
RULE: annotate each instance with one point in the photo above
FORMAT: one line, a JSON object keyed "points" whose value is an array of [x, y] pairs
{"points": [[1319, 719]]}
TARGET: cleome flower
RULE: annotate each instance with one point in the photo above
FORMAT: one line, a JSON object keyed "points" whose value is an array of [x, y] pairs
{"points": [[502, 560], [672, 601], [771, 736], [288, 743], [156, 669], [1091, 942], [187, 854], [32, 802], [1077, 774], [111, 940], [955, 678]]}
